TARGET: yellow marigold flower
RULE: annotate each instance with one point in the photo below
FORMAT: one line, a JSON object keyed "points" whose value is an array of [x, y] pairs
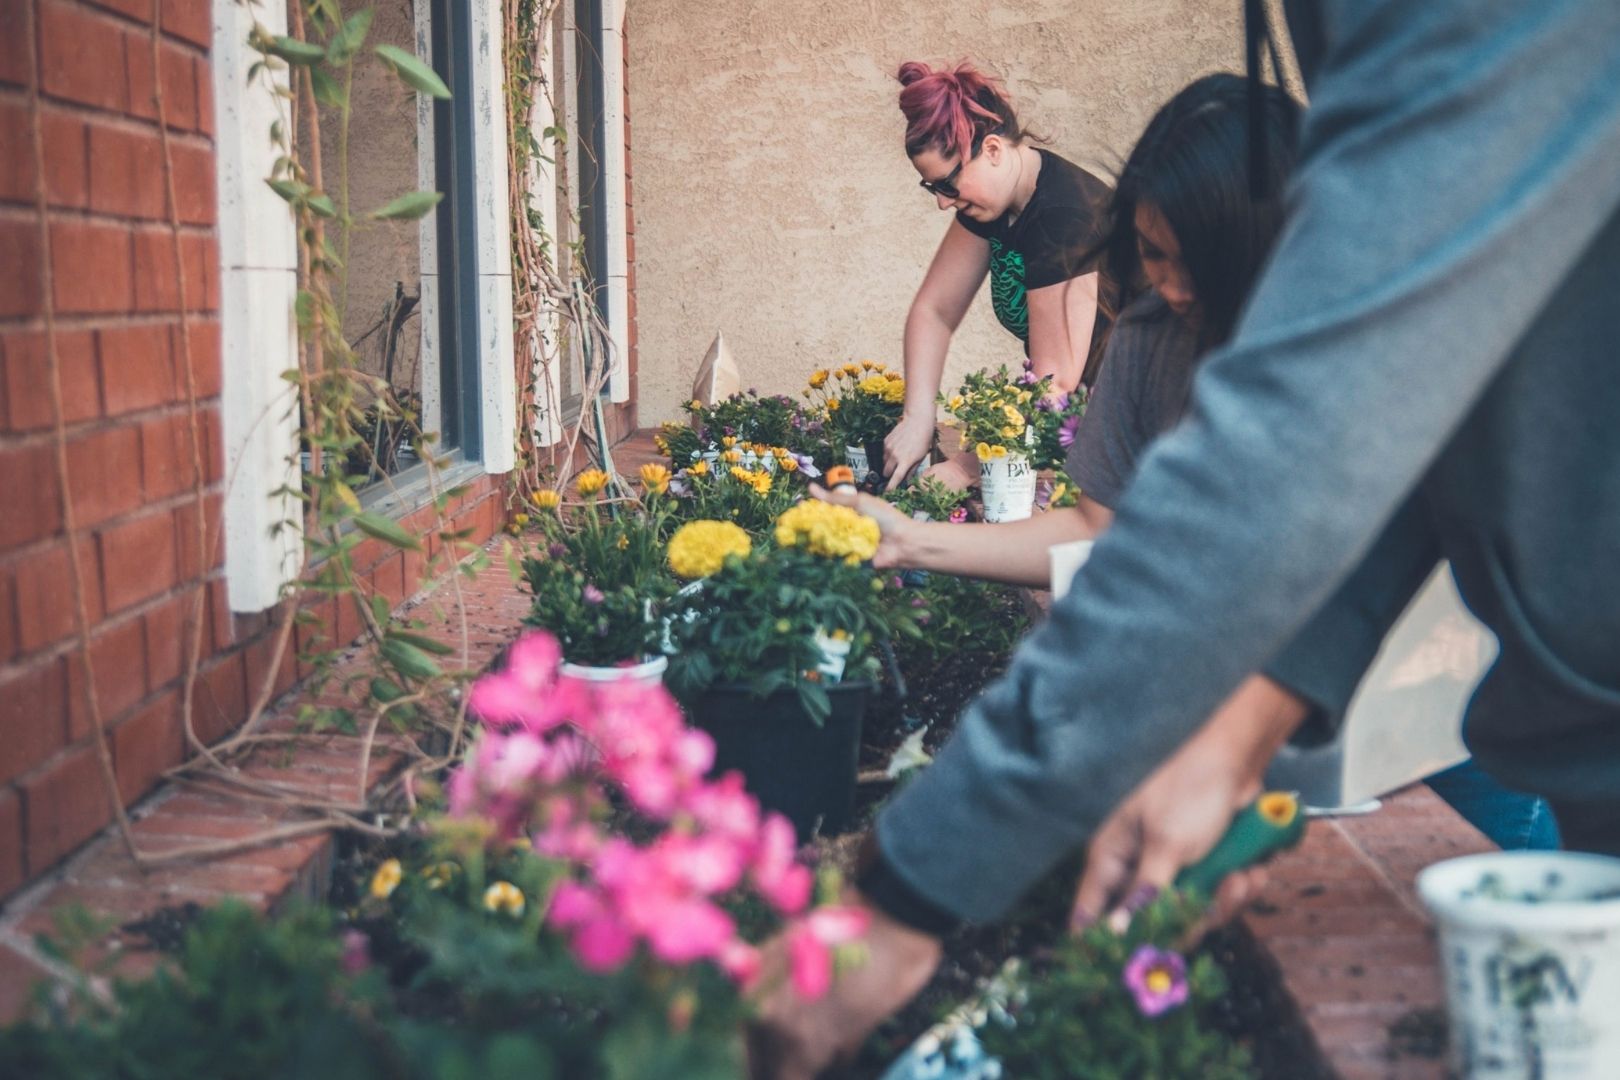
{"points": [[505, 898], [788, 464], [818, 379], [728, 441], [591, 481], [699, 548], [655, 478], [386, 879], [895, 392], [547, 500], [762, 483], [833, 532], [868, 365], [875, 385], [699, 468], [694, 405]]}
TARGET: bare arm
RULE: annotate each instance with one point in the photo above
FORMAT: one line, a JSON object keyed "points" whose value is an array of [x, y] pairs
{"points": [[1061, 320], [953, 279]]}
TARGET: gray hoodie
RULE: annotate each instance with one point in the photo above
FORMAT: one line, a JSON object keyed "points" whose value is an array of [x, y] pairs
{"points": [[1426, 368]]}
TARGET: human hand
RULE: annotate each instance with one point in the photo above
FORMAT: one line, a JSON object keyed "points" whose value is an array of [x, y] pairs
{"points": [[898, 530], [794, 1039], [906, 445], [957, 472]]}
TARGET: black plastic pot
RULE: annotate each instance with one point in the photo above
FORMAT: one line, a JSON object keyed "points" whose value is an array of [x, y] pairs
{"points": [[802, 771]]}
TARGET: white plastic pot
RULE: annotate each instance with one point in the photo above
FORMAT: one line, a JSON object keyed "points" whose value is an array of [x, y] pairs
{"points": [[1007, 485], [834, 656], [648, 672], [1532, 985], [859, 463]]}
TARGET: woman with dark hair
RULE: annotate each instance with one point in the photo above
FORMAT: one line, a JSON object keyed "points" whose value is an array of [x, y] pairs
{"points": [[1024, 216], [1184, 240]]}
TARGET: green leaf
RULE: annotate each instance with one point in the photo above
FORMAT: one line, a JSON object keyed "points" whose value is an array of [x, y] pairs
{"points": [[345, 495], [409, 207], [327, 90], [423, 642], [387, 530], [297, 52], [346, 42], [322, 205], [291, 190], [415, 73], [409, 660]]}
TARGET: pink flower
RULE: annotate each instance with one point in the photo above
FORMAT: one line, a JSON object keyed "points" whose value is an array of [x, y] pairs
{"points": [[592, 595], [959, 515], [1157, 978], [809, 963], [356, 952], [741, 961], [778, 876], [528, 693], [603, 944], [690, 930]]}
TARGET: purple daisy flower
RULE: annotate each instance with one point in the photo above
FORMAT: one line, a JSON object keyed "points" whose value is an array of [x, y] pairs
{"points": [[1157, 978], [557, 550], [1067, 432]]}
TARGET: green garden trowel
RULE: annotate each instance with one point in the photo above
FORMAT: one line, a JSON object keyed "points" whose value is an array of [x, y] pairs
{"points": [[951, 1050]]}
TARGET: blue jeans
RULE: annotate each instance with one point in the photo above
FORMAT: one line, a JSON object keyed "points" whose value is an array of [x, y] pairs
{"points": [[1513, 820]]}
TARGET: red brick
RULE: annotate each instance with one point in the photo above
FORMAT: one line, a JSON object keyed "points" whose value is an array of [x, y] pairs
{"points": [[32, 716], [140, 10], [11, 858], [19, 247], [168, 639], [9, 645], [136, 366], [156, 286], [221, 619], [221, 701], [179, 82], [119, 656], [185, 531], [65, 804], [126, 171], [208, 372], [104, 474], [194, 183], [90, 262], [18, 974], [388, 580], [205, 99], [258, 664], [188, 20], [45, 605], [166, 456], [83, 56], [146, 745], [14, 45], [138, 560], [27, 378]]}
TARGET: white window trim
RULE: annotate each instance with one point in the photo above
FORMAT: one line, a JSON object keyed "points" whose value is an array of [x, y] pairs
{"points": [[258, 337], [497, 357], [618, 244], [547, 374]]}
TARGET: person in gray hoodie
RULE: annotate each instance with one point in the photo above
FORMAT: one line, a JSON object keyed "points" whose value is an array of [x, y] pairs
{"points": [[1424, 370]]}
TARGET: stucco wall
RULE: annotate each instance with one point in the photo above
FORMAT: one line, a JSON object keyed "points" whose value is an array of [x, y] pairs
{"points": [[774, 200]]}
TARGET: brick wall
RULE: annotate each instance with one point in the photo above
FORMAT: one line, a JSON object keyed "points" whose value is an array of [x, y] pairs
{"points": [[127, 416]]}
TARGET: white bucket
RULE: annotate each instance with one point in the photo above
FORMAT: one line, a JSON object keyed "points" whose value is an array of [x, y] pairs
{"points": [[834, 656], [859, 464], [1007, 485], [648, 672], [1532, 986]]}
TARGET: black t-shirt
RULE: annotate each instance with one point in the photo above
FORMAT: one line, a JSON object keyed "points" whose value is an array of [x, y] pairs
{"points": [[1047, 243], [1142, 392]]}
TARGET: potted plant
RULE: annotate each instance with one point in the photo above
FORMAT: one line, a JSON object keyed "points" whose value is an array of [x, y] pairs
{"points": [[862, 403], [1016, 428], [747, 484], [774, 653], [599, 579], [775, 421]]}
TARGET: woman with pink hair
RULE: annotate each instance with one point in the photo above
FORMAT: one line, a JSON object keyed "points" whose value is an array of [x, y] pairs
{"points": [[1024, 216]]}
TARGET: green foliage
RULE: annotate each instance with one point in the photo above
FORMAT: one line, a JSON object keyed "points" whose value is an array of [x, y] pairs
{"points": [[756, 621], [599, 580], [964, 622], [862, 402], [774, 420], [753, 500], [1076, 1016], [927, 497], [999, 413]]}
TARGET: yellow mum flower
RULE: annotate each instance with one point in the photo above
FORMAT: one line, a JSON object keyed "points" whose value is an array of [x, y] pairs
{"points": [[834, 532], [695, 404], [895, 392], [386, 879], [547, 500], [504, 897], [869, 365], [699, 548], [875, 385], [818, 379], [591, 481], [655, 478], [700, 468]]}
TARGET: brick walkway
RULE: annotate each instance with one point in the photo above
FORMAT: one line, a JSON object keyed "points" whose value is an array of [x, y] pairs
{"points": [[1340, 918]]}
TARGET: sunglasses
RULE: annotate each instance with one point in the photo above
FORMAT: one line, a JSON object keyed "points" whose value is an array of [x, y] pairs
{"points": [[945, 185]]}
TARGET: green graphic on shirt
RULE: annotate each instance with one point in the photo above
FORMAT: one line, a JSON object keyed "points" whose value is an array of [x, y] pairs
{"points": [[1007, 293]]}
